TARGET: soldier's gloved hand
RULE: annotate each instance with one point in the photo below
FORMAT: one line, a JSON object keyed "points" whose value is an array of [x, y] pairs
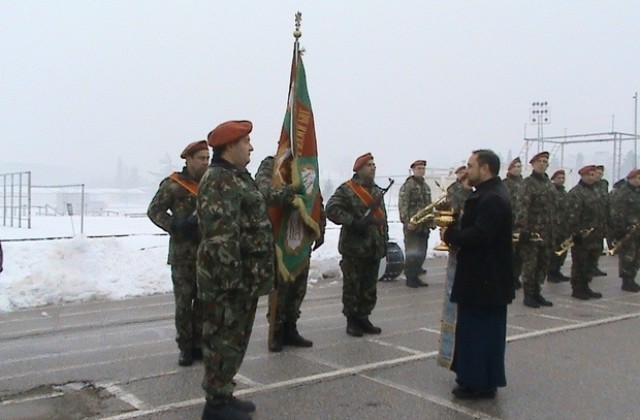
{"points": [[359, 226], [318, 243], [187, 227], [525, 237], [577, 238]]}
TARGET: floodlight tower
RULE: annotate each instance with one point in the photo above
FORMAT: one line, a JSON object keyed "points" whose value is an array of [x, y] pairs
{"points": [[540, 116]]}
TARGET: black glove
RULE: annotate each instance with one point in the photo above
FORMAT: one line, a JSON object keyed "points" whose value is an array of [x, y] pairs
{"points": [[359, 226], [577, 238], [186, 227], [525, 237], [318, 243]]}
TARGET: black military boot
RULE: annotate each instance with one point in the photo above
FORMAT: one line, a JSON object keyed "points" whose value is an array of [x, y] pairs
{"points": [[593, 294], [598, 273], [353, 327], [554, 277], [368, 327], [422, 271], [413, 281], [530, 301], [293, 338], [220, 411], [542, 301], [245, 406], [185, 358], [629, 285], [277, 342], [581, 294]]}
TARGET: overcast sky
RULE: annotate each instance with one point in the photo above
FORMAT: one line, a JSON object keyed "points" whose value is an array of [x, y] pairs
{"points": [[84, 83]]}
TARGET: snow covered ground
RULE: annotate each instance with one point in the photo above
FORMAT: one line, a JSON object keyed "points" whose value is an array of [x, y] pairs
{"points": [[39, 271]]}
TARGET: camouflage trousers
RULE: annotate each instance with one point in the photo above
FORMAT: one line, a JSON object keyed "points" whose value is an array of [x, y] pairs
{"points": [[188, 316], [629, 259], [584, 259], [415, 251], [517, 261], [359, 285], [535, 265], [290, 295], [228, 321]]}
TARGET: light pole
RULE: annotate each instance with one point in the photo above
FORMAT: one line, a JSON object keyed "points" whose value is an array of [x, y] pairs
{"points": [[540, 116], [635, 133]]}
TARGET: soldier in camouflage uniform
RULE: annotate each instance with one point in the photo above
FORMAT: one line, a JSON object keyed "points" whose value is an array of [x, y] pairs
{"points": [[534, 215], [602, 188], [461, 175], [235, 264], [625, 213], [173, 210], [515, 185], [561, 227], [415, 195], [290, 294], [586, 210], [363, 242]]}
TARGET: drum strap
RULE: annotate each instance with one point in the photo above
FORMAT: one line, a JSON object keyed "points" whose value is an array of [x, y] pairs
{"points": [[365, 197], [187, 184]]}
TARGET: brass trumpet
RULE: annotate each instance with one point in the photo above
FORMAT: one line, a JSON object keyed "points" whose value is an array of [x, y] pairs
{"points": [[617, 244], [569, 242], [425, 214], [535, 237]]}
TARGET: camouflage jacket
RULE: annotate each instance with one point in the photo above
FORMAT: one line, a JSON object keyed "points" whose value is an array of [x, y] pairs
{"points": [[237, 250], [586, 210], [515, 186], [174, 198], [343, 208], [456, 196], [535, 209], [561, 207], [625, 209], [281, 196], [414, 195]]}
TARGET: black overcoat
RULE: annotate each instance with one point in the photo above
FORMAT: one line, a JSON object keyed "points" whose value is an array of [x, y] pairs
{"points": [[484, 272]]}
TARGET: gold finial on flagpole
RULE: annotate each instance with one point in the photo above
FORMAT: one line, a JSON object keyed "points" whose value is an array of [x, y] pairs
{"points": [[296, 32]]}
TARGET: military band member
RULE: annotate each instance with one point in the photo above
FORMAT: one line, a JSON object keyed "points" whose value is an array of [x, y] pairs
{"points": [[173, 209], [461, 175], [625, 227], [290, 294], [602, 187], [534, 219], [560, 226], [235, 264], [515, 185], [585, 211], [414, 195], [363, 242]]}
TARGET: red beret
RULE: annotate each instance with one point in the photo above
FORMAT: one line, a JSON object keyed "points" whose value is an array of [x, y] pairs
{"points": [[193, 148], [228, 132], [418, 162], [460, 169], [513, 163], [558, 172], [361, 161], [539, 155], [633, 173], [586, 169], [600, 167]]}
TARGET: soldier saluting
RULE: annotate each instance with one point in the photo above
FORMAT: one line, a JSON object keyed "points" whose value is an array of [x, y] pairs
{"points": [[173, 209], [363, 242]]}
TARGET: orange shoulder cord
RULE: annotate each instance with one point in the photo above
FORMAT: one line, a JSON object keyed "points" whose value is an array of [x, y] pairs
{"points": [[187, 184], [366, 198]]}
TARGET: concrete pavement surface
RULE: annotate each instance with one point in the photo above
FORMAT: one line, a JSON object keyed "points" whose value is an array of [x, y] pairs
{"points": [[118, 360]]}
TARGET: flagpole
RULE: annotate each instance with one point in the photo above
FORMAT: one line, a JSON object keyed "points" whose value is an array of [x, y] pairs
{"points": [[296, 57]]}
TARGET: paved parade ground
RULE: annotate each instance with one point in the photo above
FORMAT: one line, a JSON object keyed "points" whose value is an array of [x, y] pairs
{"points": [[118, 360]]}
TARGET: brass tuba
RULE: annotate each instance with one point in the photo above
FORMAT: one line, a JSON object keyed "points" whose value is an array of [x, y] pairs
{"points": [[426, 213]]}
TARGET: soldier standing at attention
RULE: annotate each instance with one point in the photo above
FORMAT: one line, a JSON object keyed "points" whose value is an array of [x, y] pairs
{"points": [[414, 195], [586, 210], [363, 242], [602, 188], [560, 226], [235, 265], [625, 221], [534, 215], [173, 209], [461, 175], [515, 185], [290, 294]]}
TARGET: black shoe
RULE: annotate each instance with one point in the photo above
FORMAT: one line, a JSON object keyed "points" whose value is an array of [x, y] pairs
{"points": [[185, 358], [413, 282], [368, 327], [599, 273], [542, 301], [353, 327], [293, 338], [592, 294], [245, 406], [630, 286], [422, 271], [466, 393], [223, 411], [277, 341], [580, 294], [196, 354], [554, 277], [531, 301]]}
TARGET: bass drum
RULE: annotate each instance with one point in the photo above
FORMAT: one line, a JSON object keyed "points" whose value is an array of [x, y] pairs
{"points": [[391, 266]]}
